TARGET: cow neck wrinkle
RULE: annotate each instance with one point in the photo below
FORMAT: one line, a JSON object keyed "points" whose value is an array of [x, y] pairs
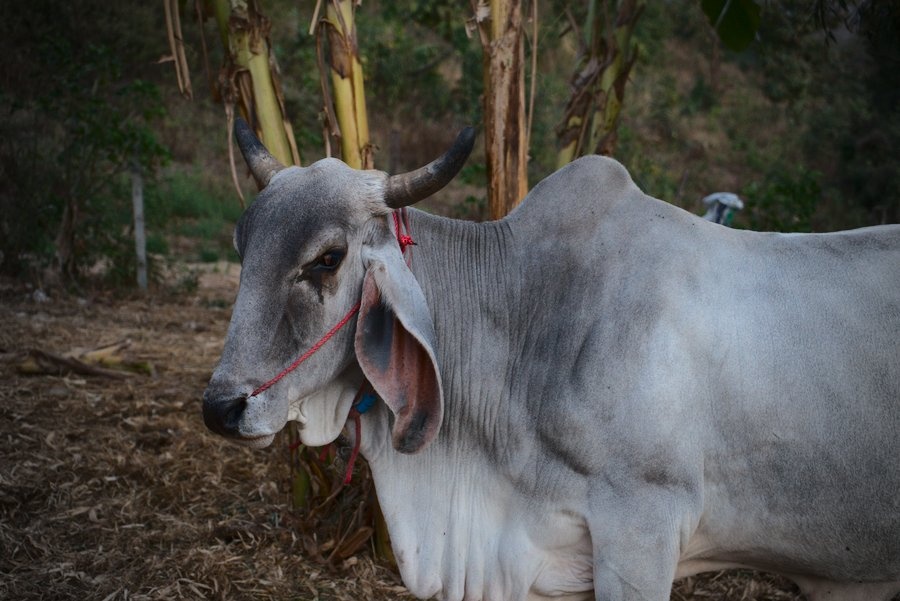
{"points": [[470, 274]]}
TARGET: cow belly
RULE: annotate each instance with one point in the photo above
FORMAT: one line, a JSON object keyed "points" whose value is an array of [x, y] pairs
{"points": [[824, 590], [815, 589], [831, 517], [815, 566], [701, 555]]}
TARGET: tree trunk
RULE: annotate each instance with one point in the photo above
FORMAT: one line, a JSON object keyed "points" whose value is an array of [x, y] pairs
{"points": [[506, 138], [65, 241], [349, 120], [591, 119], [250, 76]]}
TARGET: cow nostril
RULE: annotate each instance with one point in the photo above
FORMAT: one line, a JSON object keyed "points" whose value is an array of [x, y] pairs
{"points": [[224, 417]]}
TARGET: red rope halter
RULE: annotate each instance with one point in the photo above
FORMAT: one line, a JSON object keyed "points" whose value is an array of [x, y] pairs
{"points": [[403, 240], [353, 310]]}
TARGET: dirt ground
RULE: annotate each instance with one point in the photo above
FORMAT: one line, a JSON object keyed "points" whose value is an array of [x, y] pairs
{"points": [[113, 489]]}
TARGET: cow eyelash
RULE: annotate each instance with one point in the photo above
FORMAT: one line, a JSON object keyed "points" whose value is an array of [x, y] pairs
{"points": [[324, 264], [327, 261]]}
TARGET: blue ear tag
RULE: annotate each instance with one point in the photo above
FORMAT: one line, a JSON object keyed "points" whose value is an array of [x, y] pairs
{"points": [[366, 402]]}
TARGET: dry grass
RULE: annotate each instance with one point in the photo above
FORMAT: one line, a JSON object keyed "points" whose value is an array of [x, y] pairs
{"points": [[113, 489]]}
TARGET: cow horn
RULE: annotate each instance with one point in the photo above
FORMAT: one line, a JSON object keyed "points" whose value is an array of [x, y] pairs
{"points": [[262, 164], [405, 189]]}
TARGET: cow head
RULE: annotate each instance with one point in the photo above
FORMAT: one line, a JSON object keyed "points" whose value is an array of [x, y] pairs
{"points": [[316, 241]]}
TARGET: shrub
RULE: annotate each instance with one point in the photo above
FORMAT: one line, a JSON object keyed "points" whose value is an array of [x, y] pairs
{"points": [[785, 201]]}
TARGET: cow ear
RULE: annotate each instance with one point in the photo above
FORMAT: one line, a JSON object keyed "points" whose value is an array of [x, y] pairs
{"points": [[395, 348]]}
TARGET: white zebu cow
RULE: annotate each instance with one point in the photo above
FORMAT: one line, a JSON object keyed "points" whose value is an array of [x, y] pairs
{"points": [[563, 415]]}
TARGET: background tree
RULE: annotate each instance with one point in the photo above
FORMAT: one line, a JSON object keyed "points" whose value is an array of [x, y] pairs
{"points": [[345, 100], [250, 76], [501, 31], [75, 120], [606, 56]]}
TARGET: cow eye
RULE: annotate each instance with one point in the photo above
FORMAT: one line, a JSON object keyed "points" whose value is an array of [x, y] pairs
{"points": [[329, 260]]}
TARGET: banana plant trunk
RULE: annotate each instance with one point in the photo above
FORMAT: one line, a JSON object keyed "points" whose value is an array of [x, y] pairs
{"points": [[347, 97], [590, 124], [250, 76]]}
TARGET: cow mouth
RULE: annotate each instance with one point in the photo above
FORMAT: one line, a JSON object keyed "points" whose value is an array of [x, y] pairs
{"points": [[255, 442]]}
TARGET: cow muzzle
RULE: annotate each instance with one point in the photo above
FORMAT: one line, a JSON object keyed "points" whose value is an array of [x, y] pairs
{"points": [[226, 411], [223, 415]]}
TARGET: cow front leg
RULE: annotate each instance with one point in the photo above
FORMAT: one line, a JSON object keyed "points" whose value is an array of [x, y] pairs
{"points": [[635, 553]]}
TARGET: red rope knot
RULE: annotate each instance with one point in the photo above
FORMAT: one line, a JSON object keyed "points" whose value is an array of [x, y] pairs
{"points": [[348, 474], [403, 240]]}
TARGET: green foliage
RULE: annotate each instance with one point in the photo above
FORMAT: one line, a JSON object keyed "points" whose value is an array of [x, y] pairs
{"points": [[825, 108], [701, 98], [736, 21], [183, 195], [791, 51], [103, 115], [187, 204], [208, 255], [650, 36], [417, 53], [474, 174], [649, 174], [417, 61], [843, 96], [106, 251], [785, 201], [82, 96], [157, 244], [296, 54], [74, 121]]}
